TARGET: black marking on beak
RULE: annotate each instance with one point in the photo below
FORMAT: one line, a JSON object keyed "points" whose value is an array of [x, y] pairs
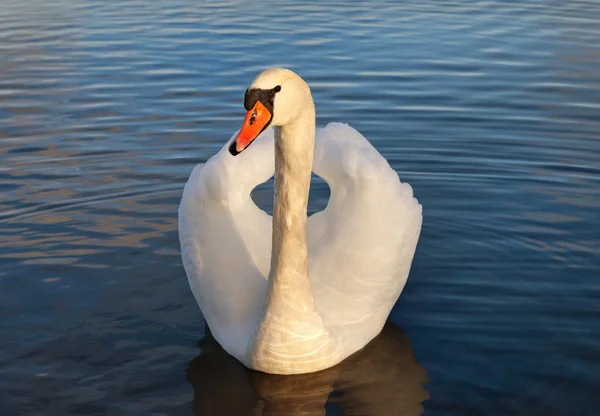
{"points": [[266, 97]]}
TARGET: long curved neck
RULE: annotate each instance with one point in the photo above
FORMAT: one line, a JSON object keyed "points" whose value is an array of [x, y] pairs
{"points": [[291, 336], [294, 148]]}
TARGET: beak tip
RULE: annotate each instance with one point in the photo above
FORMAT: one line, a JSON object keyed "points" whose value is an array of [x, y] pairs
{"points": [[233, 148]]}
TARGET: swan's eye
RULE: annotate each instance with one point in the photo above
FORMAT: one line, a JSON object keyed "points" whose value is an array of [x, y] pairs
{"points": [[277, 88]]}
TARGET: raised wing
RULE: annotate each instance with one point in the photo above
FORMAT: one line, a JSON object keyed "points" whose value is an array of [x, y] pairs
{"points": [[226, 240], [362, 245]]}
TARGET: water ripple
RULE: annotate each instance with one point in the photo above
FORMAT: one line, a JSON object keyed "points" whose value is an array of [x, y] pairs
{"points": [[489, 109]]}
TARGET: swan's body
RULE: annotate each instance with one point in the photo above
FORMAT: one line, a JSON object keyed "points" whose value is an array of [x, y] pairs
{"points": [[292, 294]]}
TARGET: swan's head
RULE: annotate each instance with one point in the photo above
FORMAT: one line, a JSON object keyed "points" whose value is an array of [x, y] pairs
{"points": [[276, 97]]}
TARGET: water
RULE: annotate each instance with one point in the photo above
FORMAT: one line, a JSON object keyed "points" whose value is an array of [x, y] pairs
{"points": [[488, 109]]}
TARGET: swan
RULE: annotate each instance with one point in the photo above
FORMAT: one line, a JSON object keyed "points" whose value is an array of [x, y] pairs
{"points": [[289, 294]]}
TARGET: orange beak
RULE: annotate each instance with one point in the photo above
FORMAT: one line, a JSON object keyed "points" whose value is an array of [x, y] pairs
{"points": [[257, 119]]}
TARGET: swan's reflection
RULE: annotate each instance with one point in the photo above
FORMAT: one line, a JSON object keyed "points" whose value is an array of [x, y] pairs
{"points": [[382, 379]]}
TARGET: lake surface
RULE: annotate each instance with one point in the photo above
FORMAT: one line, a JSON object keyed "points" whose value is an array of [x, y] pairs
{"points": [[490, 110]]}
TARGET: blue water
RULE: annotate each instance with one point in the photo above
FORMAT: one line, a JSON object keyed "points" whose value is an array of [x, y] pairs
{"points": [[490, 110]]}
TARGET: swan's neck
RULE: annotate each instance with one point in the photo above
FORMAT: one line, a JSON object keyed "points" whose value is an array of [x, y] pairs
{"points": [[291, 336], [294, 148]]}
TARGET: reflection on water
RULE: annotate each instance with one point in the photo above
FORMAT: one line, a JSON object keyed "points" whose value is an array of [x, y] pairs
{"points": [[488, 109], [382, 379]]}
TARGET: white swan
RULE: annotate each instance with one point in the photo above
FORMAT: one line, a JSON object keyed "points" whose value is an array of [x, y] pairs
{"points": [[291, 294]]}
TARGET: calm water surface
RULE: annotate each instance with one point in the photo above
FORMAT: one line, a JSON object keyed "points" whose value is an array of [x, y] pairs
{"points": [[491, 110]]}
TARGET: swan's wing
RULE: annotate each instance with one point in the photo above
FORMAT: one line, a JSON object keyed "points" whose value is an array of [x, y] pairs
{"points": [[362, 245], [226, 240]]}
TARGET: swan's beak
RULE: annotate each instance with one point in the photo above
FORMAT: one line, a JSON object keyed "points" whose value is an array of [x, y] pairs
{"points": [[256, 121]]}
